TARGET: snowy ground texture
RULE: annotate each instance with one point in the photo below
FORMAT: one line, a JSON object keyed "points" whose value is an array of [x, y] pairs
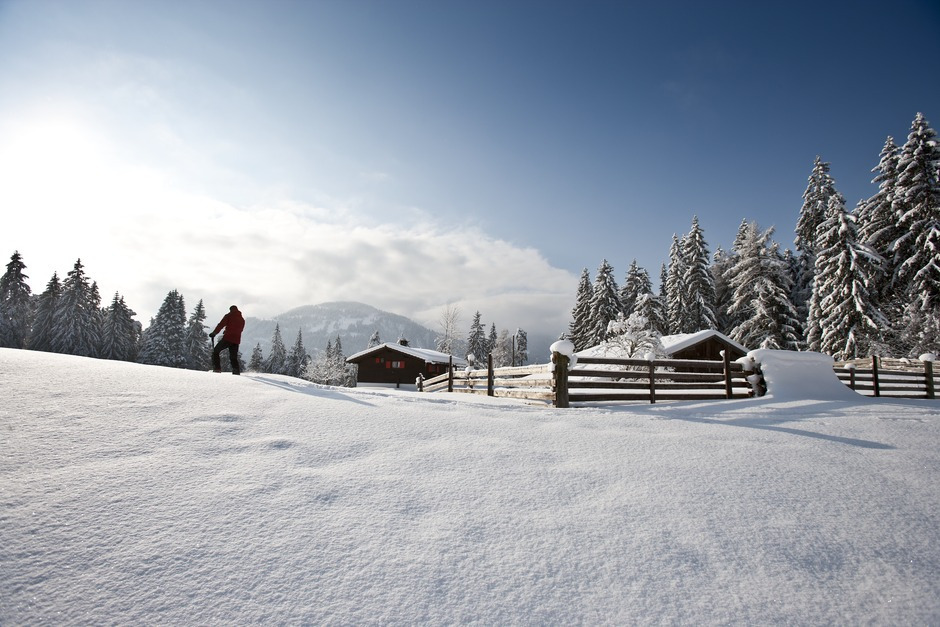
{"points": [[134, 494]]}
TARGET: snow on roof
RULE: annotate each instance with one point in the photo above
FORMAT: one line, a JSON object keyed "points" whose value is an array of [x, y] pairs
{"points": [[425, 354], [675, 343]]}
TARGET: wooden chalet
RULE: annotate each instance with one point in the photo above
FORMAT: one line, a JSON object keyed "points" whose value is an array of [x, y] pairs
{"points": [[705, 345], [397, 364]]}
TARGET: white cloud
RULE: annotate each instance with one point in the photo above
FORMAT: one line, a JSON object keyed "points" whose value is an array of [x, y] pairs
{"points": [[139, 234]]}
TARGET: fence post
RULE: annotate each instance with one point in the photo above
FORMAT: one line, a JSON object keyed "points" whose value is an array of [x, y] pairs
{"points": [[560, 380], [928, 379], [652, 373], [852, 378], [874, 374], [450, 374], [727, 366], [489, 374]]}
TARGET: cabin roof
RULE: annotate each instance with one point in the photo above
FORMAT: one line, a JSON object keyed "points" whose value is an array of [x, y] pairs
{"points": [[675, 343], [424, 354]]}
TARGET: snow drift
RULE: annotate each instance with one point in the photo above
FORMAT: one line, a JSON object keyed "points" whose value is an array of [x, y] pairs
{"points": [[141, 495]]}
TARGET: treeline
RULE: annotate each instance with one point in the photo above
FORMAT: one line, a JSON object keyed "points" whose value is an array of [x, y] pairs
{"points": [[507, 349], [67, 317], [859, 283]]}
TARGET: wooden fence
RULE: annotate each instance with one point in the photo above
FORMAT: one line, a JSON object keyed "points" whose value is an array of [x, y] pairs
{"points": [[600, 379], [895, 378]]}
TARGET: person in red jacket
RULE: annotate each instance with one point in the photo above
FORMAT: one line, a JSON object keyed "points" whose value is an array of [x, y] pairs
{"points": [[233, 323]]}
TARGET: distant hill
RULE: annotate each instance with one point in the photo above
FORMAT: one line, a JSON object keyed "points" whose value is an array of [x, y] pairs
{"points": [[353, 322]]}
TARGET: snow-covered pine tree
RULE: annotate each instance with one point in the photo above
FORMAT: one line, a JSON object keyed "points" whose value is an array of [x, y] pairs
{"points": [[721, 262], [878, 225], [521, 348], [374, 339], [198, 349], [845, 320], [277, 358], [164, 342], [298, 360], [579, 330], [651, 308], [760, 286], [917, 250], [699, 297], [492, 339], [15, 305], [41, 335], [674, 288], [476, 341], [502, 349], [77, 323], [605, 303], [256, 363], [637, 282], [819, 189], [120, 335]]}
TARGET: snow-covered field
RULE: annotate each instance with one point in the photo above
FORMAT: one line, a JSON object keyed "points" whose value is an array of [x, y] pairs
{"points": [[134, 494]]}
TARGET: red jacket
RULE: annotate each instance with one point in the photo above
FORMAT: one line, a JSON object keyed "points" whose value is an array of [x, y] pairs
{"points": [[233, 324]]}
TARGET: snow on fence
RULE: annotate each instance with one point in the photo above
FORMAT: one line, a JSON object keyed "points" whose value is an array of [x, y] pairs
{"points": [[899, 378], [600, 379]]}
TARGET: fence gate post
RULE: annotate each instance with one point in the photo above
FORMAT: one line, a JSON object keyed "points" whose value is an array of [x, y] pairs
{"points": [[727, 366], [928, 379], [489, 374], [874, 374], [450, 374], [652, 373], [560, 380]]}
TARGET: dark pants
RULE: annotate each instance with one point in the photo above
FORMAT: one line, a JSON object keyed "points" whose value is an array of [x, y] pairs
{"points": [[232, 356]]}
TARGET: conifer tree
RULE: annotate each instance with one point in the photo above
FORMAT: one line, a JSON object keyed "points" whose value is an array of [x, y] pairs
{"points": [[674, 288], [579, 330], [605, 303], [819, 189], [844, 322], [256, 363], [502, 350], [877, 221], [77, 329], [637, 282], [760, 293], [699, 307], [42, 333], [721, 263], [374, 340], [476, 340], [521, 348], [277, 358], [164, 342], [297, 359], [650, 307], [120, 335], [492, 339], [917, 205], [199, 351], [15, 305]]}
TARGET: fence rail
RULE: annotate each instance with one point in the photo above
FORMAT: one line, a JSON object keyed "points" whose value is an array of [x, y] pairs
{"points": [[895, 378], [600, 379]]}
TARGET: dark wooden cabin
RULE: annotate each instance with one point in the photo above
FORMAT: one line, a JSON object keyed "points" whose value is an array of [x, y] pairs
{"points": [[706, 345], [397, 364]]}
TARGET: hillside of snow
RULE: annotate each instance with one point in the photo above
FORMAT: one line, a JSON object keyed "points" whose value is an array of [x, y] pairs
{"points": [[134, 494]]}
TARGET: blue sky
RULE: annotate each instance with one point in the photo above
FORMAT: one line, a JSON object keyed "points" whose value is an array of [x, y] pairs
{"points": [[410, 154]]}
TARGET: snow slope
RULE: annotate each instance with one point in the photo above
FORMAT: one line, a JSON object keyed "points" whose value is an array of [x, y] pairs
{"points": [[134, 494]]}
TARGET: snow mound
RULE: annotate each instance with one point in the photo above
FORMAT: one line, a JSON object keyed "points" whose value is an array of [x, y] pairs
{"points": [[792, 375]]}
